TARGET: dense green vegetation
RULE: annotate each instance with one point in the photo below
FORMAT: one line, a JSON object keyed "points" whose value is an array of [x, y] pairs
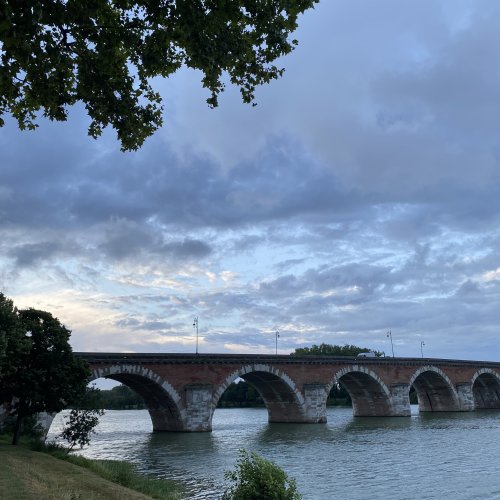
{"points": [[120, 397], [333, 350], [240, 395], [38, 371]]}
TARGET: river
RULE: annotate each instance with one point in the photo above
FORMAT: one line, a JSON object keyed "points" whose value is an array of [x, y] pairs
{"points": [[426, 456]]}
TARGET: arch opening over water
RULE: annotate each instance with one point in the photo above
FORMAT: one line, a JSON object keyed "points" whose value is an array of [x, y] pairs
{"points": [[240, 394], [161, 400], [282, 399], [435, 391], [486, 389], [369, 394]]}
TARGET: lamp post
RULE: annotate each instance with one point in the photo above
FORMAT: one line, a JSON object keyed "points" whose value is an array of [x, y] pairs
{"points": [[422, 343], [277, 337], [195, 325], [389, 336]]}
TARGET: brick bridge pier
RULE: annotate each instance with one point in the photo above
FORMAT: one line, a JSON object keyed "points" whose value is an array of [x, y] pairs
{"points": [[181, 391]]}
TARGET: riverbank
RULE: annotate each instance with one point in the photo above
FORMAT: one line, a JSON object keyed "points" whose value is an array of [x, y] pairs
{"points": [[30, 475]]}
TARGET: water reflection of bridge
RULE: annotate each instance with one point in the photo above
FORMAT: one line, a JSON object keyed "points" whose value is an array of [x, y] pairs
{"points": [[181, 391]]}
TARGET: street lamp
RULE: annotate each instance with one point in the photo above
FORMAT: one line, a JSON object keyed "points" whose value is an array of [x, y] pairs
{"points": [[195, 325], [389, 336], [277, 337], [422, 343]]}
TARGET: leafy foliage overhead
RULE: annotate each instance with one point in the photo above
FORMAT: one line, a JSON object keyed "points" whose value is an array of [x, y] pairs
{"points": [[104, 53]]}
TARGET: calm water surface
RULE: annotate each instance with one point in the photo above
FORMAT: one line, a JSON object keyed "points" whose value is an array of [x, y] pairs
{"points": [[441, 456]]}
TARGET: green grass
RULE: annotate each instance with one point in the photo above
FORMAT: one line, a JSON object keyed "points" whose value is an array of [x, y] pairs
{"points": [[124, 473], [53, 475]]}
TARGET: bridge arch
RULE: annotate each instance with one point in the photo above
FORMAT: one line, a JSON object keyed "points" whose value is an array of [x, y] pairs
{"points": [[283, 400], [369, 394], [162, 400], [485, 385], [435, 391]]}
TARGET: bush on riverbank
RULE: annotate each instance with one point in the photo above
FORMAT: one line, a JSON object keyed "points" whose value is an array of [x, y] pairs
{"points": [[255, 477]]}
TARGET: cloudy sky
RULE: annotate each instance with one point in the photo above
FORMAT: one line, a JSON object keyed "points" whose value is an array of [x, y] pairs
{"points": [[361, 195]]}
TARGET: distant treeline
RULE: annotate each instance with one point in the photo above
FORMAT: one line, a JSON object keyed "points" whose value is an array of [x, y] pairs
{"points": [[120, 397], [237, 395], [243, 395], [240, 395]]}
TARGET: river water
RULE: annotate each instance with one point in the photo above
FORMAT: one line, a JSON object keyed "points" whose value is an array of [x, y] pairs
{"points": [[425, 456]]}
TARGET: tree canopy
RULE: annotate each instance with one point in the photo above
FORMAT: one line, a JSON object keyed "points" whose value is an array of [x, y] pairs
{"points": [[104, 53], [332, 350], [38, 371], [13, 345]]}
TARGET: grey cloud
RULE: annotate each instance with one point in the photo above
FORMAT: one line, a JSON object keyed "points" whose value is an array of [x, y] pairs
{"points": [[287, 285], [127, 239], [188, 249], [124, 239], [281, 182], [33, 253], [470, 291], [287, 264], [247, 336], [136, 324], [363, 276]]}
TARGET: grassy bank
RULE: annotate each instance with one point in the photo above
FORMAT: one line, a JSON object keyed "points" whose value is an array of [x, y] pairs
{"points": [[30, 475]]}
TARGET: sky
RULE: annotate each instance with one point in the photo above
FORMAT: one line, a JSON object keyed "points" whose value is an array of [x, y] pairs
{"points": [[360, 196]]}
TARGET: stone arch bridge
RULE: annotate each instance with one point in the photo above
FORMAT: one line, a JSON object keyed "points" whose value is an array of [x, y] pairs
{"points": [[181, 391]]}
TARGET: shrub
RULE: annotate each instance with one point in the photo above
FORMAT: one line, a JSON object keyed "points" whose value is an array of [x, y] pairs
{"points": [[256, 478], [79, 426]]}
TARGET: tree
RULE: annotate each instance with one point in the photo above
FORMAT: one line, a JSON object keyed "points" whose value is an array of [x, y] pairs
{"points": [[13, 344], [257, 478], [55, 53], [333, 350], [12, 341], [44, 375]]}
